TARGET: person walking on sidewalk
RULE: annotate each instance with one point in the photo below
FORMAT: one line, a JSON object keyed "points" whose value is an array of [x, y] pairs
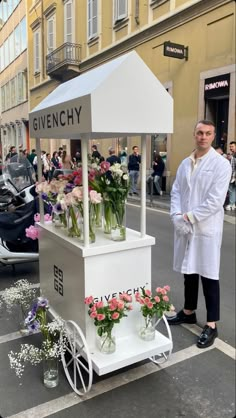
{"points": [[158, 169], [232, 184], [133, 167], [197, 199]]}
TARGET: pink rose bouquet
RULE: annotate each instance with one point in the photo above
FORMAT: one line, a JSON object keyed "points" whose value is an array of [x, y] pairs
{"points": [[154, 304], [105, 316]]}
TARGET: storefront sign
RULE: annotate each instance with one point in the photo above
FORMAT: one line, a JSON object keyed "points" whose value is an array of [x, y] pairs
{"points": [[66, 117], [217, 86], [174, 50]]}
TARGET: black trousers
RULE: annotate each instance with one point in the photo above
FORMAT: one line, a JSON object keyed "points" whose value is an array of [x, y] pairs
{"points": [[211, 291]]}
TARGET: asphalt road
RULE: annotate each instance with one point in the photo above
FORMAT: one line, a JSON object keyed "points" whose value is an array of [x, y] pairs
{"points": [[192, 384]]}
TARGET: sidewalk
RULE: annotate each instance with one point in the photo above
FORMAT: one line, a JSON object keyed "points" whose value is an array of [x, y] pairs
{"points": [[163, 202]]}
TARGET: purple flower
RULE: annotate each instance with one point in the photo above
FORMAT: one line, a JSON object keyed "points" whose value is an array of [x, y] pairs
{"points": [[42, 302], [31, 317], [57, 209], [44, 196], [34, 326]]}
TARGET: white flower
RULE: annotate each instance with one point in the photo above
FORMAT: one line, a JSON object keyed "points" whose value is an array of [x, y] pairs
{"points": [[21, 293], [125, 176]]}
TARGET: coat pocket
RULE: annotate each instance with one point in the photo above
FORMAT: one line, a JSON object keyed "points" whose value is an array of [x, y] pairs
{"points": [[204, 228]]}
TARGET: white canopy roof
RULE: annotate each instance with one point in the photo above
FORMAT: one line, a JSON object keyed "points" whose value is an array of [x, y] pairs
{"points": [[120, 98]]}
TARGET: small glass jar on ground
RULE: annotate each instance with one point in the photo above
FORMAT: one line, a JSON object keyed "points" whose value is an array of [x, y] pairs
{"points": [[147, 330], [50, 372]]}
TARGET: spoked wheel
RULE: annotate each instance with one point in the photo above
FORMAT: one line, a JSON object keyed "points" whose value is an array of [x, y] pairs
{"points": [[163, 357], [76, 360]]}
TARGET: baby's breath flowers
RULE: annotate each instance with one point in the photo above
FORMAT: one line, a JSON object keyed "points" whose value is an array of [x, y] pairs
{"points": [[21, 293], [54, 338]]}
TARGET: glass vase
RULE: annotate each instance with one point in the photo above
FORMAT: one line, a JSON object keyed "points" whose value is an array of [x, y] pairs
{"points": [[107, 343], [118, 231], [108, 217], [147, 330], [23, 329], [73, 224], [98, 215], [92, 222], [59, 219], [50, 372]]}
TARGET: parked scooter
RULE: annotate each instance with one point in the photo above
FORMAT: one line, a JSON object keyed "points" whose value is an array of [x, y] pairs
{"points": [[18, 205]]}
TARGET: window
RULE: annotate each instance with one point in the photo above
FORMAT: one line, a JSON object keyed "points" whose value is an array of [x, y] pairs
{"points": [[3, 98], [1, 58], [11, 47], [68, 22], [23, 34], [50, 34], [120, 10], [6, 52], [7, 95], [17, 41], [37, 51], [13, 92], [92, 18]]}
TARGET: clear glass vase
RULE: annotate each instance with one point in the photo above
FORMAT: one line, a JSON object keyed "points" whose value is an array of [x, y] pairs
{"points": [[23, 329], [59, 219], [108, 217], [73, 223], [50, 372], [118, 231], [98, 215], [147, 330], [107, 343]]}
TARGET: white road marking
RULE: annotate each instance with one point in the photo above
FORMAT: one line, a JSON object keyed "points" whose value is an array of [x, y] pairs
{"points": [[166, 212], [67, 401], [31, 286]]}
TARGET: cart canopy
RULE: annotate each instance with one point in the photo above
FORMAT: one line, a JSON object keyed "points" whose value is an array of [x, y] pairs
{"points": [[121, 97]]}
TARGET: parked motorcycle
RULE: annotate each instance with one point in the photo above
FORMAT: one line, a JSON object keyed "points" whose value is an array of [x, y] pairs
{"points": [[18, 205]]}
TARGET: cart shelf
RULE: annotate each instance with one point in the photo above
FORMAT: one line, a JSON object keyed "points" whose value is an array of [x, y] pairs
{"points": [[130, 349]]}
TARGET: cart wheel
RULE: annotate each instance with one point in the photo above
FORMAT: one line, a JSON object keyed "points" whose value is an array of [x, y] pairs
{"points": [[78, 371], [163, 357]]}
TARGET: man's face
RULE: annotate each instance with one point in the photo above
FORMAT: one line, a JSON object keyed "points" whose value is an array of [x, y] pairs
{"points": [[232, 148], [135, 150], [13, 149], [204, 136]]}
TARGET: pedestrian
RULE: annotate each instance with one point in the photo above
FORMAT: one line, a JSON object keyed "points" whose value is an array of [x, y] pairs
{"points": [[133, 167], [197, 199], [32, 155], [96, 156], [67, 162], [12, 153], [158, 169], [113, 159], [232, 184]]}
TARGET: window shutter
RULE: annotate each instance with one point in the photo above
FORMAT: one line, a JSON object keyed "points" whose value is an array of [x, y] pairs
{"points": [[68, 23], [36, 51], [92, 18], [50, 30]]}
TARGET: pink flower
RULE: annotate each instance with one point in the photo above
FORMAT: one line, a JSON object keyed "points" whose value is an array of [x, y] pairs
{"points": [[77, 193], [163, 291], [157, 299], [115, 315], [99, 305], [120, 304], [93, 308], [93, 315], [165, 298], [100, 317], [150, 305], [137, 295], [37, 217], [167, 288], [158, 289], [113, 301], [47, 217], [148, 292], [130, 307], [126, 297], [32, 232], [141, 301], [146, 300], [104, 166], [112, 307], [92, 174], [88, 300], [95, 197]]}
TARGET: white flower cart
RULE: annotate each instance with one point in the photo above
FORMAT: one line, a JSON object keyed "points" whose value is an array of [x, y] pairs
{"points": [[119, 98]]}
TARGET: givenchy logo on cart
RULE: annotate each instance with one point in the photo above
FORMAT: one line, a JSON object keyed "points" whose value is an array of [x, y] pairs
{"points": [[58, 280], [116, 294], [62, 118]]}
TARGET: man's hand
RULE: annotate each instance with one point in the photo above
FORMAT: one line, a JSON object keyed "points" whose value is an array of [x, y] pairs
{"points": [[182, 226]]}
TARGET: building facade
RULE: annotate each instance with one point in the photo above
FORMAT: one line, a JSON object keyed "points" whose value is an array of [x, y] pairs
{"points": [[14, 108], [69, 37]]}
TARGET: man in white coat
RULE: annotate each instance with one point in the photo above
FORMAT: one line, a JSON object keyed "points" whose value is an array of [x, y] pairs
{"points": [[197, 199]]}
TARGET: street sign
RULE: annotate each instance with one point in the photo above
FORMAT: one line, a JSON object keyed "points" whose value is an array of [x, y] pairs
{"points": [[174, 50]]}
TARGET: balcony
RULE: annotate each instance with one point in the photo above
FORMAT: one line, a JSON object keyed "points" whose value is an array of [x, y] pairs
{"points": [[63, 63]]}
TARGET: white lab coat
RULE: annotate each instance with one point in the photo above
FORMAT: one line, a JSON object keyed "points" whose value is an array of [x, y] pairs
{"points": [[202, 193]]}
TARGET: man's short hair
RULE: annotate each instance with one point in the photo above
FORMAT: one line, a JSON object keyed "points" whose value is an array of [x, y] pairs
{"points": [[111, 149], [205, 122], [232, 142], [135, 146], [95, 147]]}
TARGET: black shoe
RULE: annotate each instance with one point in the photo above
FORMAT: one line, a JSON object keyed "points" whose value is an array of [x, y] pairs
{"points": [[207, 337], [136, 193], [182, 318], [130, 194]]}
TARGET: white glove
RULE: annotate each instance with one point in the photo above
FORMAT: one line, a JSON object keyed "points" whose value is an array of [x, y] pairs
{"points": [[182, 226]]}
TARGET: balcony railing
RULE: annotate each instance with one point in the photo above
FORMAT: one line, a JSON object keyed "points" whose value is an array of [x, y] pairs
{"points": [[65, 57]]}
